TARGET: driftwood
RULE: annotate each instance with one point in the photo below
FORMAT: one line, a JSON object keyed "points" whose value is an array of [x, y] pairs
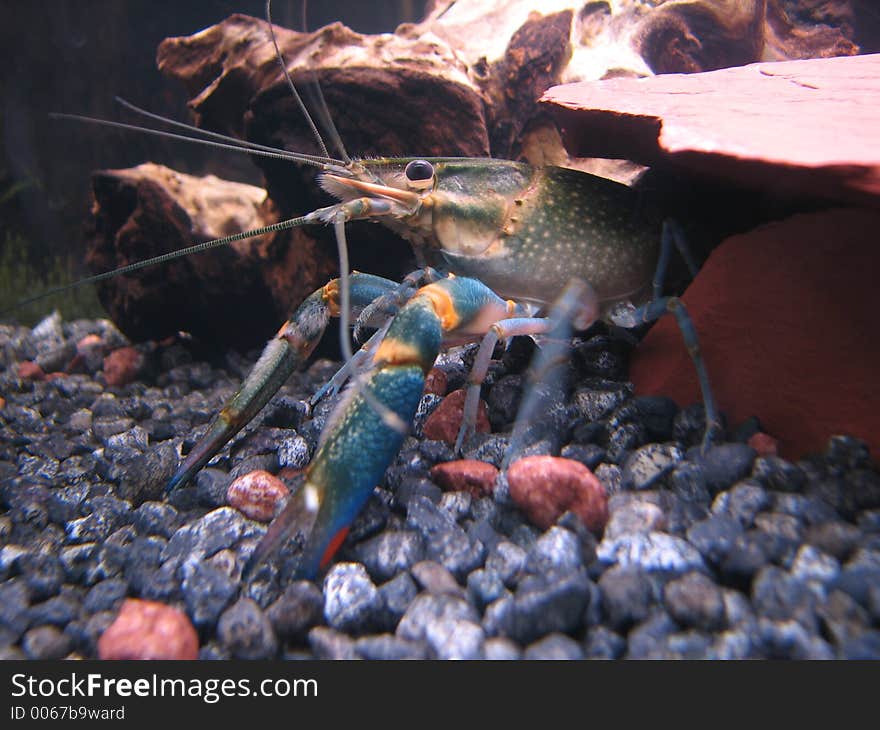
{"points": [[465, 81]]}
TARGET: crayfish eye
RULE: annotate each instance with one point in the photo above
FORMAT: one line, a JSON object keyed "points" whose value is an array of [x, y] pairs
{"points": [[420, 173]]}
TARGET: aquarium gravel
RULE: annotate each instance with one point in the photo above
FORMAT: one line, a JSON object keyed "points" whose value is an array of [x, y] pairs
{"points": [[725, 554]]}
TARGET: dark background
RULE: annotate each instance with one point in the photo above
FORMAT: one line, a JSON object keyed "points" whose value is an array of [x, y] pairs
{"points": [[75, 56]]}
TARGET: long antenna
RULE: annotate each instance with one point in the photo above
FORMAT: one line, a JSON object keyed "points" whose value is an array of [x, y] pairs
{"points": [[299, 101], [300, 156], [161, 259], [325, 163]]}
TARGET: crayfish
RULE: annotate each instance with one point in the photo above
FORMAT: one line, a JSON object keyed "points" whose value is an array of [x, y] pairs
{"points": [[503, 248]]}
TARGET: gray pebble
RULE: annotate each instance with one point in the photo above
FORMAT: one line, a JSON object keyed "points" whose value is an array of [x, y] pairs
{"points": [[45, 642], [206, 592], [652, 551], [390, 552], [498, 648], [428, 609], [695, 601], [602, 643], [296, 611], [648, 464], [627, 596], [397, 594], [547, 603], [554, 647], [352, 603], [389, 647], [246, 632], [327, 643], [556, 550]]}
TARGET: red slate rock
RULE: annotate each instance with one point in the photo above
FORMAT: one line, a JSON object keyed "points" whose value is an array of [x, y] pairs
{"points": [[809, 126], [465, 475], [786, 316], [149, 630], [764, 444], [257, 495], [121, 366], [30, 370], [436, 381], [445, 420], [545, 487]]}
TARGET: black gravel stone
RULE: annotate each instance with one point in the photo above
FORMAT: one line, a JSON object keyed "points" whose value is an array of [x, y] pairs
{"points": [[778, 474], [778, 596], [856, 580], [504, 400], [105, 596], [498, 648], [246, 632], [14, 600], [557, 550], [390, 647], [490, 448], [428, 609], [484, 587], [627, 596], [506, 560], [397, 594], [654, 552], [835, 538], [390, 552], [590, 455], [45, 642], [299, 608], [695, 601], [743, 502], [352, 604], [603, 643], [643, 640], [715, 536], [724, 464], [656, 413], [547, 603], [327, 643], [600, 397], [624, 439], [864, 646], [688, 483], [59, 610], [790, 640], [745, 557], [284, 411], [42, 573], [647, 465], [211, 486], [554, 647], [445, 541], [156, 518], [206, 592], [414, 487], [435, 578]]}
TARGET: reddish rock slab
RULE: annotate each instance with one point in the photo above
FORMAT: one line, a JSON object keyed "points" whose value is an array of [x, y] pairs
{"points": [[149, 630], [545, 487], [808, 126], [257, 495], [466, 475], [444, 422], [787, 321]]}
